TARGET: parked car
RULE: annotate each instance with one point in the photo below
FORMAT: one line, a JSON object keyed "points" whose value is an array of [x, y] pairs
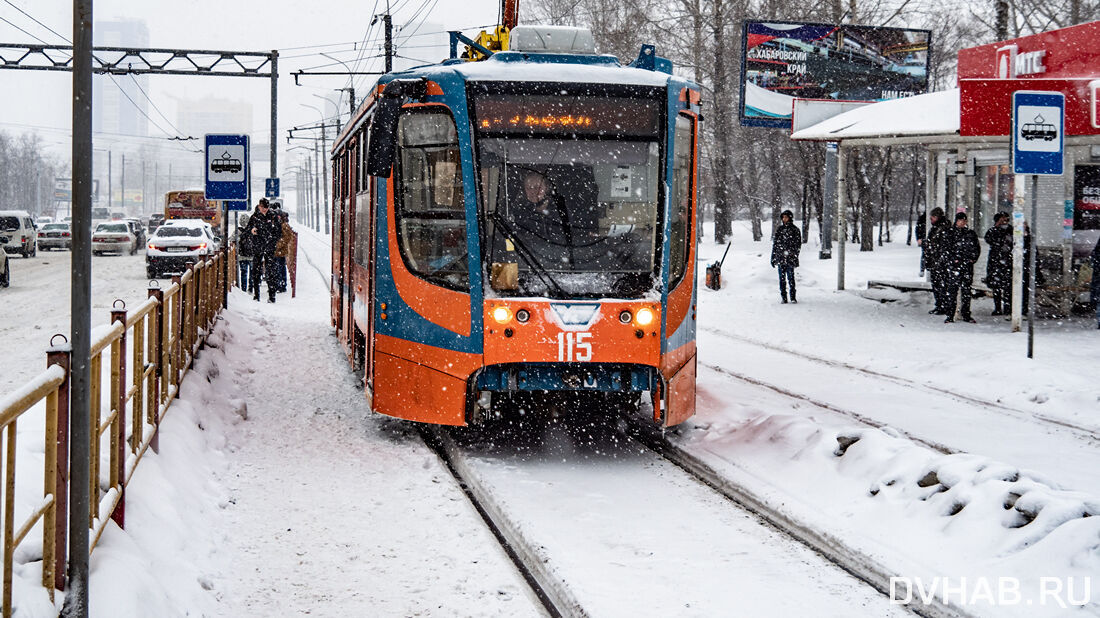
{"points": [[114, 237], [155, 220], [17, 233], [176, 243], [138, 229], [5, 270], [55, 236]]}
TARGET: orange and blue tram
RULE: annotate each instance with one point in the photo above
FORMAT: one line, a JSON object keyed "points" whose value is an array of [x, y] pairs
{"points": [[517, 226]]}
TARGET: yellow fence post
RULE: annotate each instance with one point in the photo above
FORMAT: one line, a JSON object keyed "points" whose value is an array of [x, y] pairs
{"points": [[118, 422]]}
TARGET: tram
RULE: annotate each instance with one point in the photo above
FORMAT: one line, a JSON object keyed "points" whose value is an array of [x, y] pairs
{"points": [[519, 222]]}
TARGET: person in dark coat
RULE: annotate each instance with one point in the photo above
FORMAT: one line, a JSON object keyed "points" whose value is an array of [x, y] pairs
{"points": [[935, 247], [998, 266], [265, 228], [243, 242], [786, 244], [1094, 293], [961, 253], [921, 232]]}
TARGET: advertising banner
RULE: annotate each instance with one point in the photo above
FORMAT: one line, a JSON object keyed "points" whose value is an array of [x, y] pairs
{"points": [[782, 61]]}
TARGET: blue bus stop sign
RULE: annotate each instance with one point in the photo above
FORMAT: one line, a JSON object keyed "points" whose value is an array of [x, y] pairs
{"points": [[1038, 132], [227, 167], [271, 187]]}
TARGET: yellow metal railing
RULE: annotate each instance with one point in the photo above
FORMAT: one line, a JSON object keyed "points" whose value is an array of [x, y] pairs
{"points": [[137, 363], [50, 386]]}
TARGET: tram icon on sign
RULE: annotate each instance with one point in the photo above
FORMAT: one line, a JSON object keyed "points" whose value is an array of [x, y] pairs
{"points": [[1039, 128], [225, 164]]}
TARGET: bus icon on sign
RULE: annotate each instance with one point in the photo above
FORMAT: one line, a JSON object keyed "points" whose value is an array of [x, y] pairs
{"points": [[225, 164]]}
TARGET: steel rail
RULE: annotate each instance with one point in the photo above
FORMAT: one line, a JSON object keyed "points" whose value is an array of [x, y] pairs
{"points": [[551, 591], [856, 563], [1007, 410]]}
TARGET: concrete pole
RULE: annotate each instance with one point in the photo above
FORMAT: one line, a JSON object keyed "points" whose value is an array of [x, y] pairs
{"points": [[324, 176], [1020, 196], [274, 169], [122, 182], [841, 213]]}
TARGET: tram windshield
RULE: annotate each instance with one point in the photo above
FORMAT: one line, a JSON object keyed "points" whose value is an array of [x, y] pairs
{"points": [[572, 216]]}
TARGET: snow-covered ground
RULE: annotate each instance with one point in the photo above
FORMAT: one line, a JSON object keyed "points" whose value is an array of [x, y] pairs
{"points": [[275, 492]]}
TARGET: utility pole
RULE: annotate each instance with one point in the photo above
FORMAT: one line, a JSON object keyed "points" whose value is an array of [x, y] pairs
{"points": [[123, 183], [317, 184], [80, 325], [324, 175], [110, 193], [387, 21]]}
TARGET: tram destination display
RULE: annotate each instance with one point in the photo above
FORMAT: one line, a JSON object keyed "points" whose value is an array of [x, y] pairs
{"points": [[559, 115], [784, 61]]}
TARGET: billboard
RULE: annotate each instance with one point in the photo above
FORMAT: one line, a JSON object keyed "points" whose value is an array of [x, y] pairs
{"points": [[782, 61]]}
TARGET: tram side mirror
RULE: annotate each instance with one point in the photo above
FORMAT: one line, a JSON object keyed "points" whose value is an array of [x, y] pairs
{"points": [[382, 136]]}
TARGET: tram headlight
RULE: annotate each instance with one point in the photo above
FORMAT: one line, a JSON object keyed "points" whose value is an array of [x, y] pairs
{"points": [[624, 316], [523, 315], [644, 316], [502, 315]]}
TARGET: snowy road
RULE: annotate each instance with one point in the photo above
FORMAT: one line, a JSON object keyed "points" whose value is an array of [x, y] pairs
{"points": [[37, 305]]}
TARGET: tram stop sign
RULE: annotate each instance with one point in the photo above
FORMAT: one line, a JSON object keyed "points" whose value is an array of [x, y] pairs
{"points": [[1038, 132], [227, 167]]}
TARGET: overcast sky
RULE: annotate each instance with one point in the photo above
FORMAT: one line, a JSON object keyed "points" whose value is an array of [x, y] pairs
{"points": [[43, 99]]}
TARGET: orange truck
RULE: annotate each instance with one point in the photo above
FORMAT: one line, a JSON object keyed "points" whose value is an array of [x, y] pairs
{"points": [[192, 205]]}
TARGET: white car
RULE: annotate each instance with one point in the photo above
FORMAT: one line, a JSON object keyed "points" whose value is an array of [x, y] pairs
{"points": [[114, 237], [176, 243], [17, 233]]}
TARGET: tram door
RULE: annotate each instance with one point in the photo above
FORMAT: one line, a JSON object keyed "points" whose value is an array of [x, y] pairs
{"points": [[341, 203], [367, 287]]}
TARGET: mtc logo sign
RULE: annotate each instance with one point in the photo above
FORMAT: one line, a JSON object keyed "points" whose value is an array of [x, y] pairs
{"points": [[1012, 64]]}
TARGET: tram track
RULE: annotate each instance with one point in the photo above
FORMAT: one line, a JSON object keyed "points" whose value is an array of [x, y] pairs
{"points": [[1083, 432], [535, 562], [856, 563], [555, 597], [860, 418]]}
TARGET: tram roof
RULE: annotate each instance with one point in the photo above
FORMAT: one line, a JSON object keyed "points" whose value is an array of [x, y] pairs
{"points": [[519, 67]]}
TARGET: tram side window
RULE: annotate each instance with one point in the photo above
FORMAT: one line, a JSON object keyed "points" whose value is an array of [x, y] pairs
{"points": [[680, 217], [431, 215]]}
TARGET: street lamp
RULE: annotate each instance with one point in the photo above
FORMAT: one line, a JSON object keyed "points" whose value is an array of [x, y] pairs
{"points": [[302, 207]]}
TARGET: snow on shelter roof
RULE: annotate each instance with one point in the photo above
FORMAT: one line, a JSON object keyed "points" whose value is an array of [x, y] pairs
{"points": [[935, 113]]}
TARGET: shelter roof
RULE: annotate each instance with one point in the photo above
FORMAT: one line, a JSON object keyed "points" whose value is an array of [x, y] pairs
{"points": [[933, 115]]}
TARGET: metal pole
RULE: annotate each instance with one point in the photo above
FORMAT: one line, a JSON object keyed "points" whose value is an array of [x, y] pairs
{"points": [[122, 181], [316, 186], [76, 597], [1018, 250], [274, 169], [225, 254], [841, 215], [1033, 250], [826, 251], [110, 188], [144, 191], [324, 175]]}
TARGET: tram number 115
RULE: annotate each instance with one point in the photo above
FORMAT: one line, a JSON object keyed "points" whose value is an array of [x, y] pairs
{"points": [[574, 347]]}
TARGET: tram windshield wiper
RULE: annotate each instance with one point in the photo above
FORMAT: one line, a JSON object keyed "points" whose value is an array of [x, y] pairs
{"points": [[526, 255]]}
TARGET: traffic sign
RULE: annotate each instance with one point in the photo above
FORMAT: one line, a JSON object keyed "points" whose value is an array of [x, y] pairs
{"points": [[1038, 132], [227, 167], [271, 187]]}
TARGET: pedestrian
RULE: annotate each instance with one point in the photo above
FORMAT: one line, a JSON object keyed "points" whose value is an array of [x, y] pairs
{"points": [[264, 227], [243, 243], [998, 266], [282, 247], [786, 244], [922, 229], [1094, 292], [935, 246], [962, 252]]}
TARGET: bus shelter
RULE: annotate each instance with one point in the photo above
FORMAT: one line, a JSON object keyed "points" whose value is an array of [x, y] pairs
{"points": [[968, 164]]}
